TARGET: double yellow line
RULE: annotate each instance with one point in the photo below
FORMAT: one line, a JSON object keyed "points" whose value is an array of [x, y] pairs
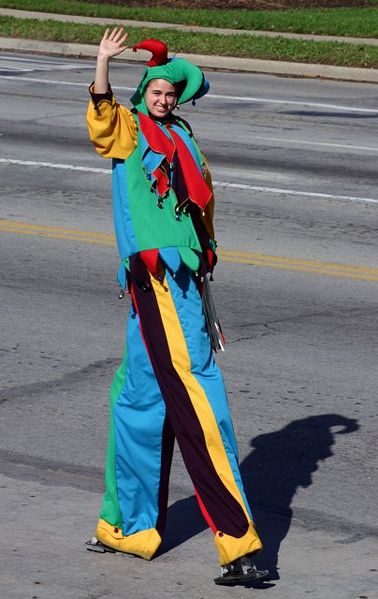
{"points": [[317, 267]]}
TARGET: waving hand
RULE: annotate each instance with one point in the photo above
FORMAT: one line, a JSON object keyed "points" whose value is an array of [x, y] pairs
{"points": [[112, 43]]}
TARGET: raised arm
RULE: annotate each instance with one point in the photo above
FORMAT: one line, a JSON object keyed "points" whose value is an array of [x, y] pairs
{"points": [[112, 44], [112, 127]]}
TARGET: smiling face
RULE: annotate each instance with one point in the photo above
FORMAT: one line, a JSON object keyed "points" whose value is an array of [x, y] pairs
{"points": [[160, 98]]}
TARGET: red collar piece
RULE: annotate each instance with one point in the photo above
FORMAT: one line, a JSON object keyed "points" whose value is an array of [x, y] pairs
{"points": [[197, 189]]}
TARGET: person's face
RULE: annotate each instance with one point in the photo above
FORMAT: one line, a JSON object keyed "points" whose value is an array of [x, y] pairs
{"points": [[160, 98]]}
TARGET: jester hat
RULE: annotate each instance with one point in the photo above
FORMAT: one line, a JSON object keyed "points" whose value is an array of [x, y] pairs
{"points": [[188, 77]]}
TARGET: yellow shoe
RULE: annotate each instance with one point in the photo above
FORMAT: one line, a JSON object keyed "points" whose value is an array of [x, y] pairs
{"points": [[144, 543], [231, 548]]}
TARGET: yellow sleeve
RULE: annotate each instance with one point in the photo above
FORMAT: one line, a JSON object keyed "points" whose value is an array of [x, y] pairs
{"points": [[112, 129]]}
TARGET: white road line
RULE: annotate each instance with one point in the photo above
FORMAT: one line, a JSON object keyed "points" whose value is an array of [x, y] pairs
{"points": [[294, 103], [12, 69], [36, 60], [224, 184], [251, 99], [294, 192], [313, 143], [68, 167], [24, 59], [40, 66], [52, 81]]}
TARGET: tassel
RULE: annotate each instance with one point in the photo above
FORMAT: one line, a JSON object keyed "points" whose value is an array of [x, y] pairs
{"points": [[213, 325]]}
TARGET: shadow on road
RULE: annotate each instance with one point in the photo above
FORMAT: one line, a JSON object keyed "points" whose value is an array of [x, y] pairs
{"points": [[279, 463]]}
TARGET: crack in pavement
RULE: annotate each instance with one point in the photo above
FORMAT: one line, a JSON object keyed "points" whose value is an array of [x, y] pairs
{"points": [[50, 472], [324, 314], [267, 329], [75, 377]]}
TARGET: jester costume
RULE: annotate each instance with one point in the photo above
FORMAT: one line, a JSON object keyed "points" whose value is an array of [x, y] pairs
{"points": [[168, 387]]}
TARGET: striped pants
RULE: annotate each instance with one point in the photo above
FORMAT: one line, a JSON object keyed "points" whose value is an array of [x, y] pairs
{"points": [[169, 387]]}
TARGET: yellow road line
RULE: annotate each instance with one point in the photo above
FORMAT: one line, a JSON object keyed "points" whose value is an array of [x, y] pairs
{"points": [[12, 226], [318, 267], [334, 269]]}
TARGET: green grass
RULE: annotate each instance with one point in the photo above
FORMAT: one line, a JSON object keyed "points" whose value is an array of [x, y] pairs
{"points": [[237, 45], [357, 22]]}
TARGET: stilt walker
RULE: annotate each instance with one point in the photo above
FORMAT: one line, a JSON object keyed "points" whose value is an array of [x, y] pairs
{"points": [[168, 387]]}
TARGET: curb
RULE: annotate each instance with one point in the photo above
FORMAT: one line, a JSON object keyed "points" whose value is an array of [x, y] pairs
{"points": [[180, 27], [225, 63]]}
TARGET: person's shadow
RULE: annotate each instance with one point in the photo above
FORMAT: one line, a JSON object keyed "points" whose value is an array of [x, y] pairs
{"points": [[278, 464]]}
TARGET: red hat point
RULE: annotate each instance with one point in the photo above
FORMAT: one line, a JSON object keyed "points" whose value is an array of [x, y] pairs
{"points": [[159, 51]]}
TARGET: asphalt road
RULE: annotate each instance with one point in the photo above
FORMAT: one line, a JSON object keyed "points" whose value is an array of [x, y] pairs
{"points": [[295, 170]]}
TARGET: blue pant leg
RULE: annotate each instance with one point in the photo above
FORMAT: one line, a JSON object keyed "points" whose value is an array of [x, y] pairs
{"points": [[143, 440]]}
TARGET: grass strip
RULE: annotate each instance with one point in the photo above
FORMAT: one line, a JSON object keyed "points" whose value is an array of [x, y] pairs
{"points": [[332, 53], [354, 22]]}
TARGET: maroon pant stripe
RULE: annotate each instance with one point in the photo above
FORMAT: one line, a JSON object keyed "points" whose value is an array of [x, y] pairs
{"points": [[225, 512]]}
